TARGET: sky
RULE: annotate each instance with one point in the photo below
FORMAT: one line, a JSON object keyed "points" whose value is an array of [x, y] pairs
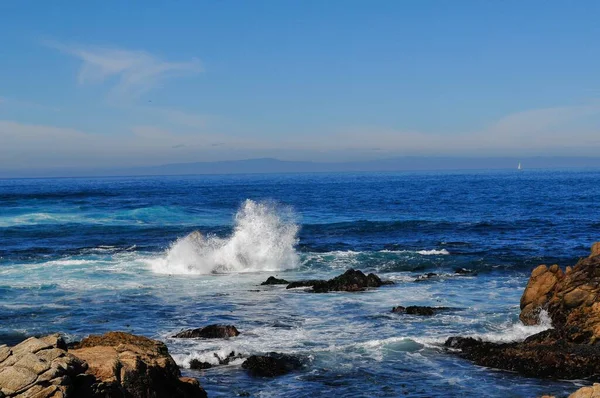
{"points": [[123, 84]]}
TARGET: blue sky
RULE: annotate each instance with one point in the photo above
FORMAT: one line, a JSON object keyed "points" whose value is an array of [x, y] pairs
{"points": [[112, 83]]}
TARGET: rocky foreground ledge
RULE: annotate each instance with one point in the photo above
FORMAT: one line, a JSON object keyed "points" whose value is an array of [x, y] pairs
{"points": [[114, 365], [571, 349]]}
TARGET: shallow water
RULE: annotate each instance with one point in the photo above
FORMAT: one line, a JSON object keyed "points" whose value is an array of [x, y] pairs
{"points": [[84, 256]]}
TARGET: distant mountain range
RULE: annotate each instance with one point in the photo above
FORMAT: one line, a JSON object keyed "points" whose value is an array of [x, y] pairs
{"points": [[270, 165]]}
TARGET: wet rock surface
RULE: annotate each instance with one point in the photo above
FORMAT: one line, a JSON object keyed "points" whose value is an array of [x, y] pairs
{"points": [[274, 281], [350, 281], [271, 365], [112, 365], [418, 310], [209, 332], [306, 283], [570, 350]]}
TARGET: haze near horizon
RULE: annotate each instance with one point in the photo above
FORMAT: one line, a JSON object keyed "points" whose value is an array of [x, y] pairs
{"points": [[113, 85]]}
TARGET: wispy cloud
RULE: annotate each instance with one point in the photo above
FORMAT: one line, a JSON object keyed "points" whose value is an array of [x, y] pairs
{"points": [[136, 72]]}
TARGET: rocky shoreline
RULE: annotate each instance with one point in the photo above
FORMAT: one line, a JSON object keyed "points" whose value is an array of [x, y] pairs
{"points": [[119, 364], [570, 350], [115, 365]]}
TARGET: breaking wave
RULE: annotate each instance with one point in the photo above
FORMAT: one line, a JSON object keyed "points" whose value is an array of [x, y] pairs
{"points": [[263, 239]]}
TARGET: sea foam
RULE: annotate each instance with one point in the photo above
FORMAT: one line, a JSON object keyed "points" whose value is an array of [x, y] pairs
{"points": [[263, 239]]}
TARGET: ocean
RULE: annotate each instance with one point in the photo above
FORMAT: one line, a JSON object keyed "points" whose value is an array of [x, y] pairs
{"points": [[90, 255]]}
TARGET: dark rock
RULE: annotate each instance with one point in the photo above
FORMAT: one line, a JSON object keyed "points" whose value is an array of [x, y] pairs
{"points": [[225, 361], [419, 310], [350, 281], [271, 365], [427, 276], [199, 365], [306, 283], [274, 281], [209, 332], [464, 271], [541, 355]]}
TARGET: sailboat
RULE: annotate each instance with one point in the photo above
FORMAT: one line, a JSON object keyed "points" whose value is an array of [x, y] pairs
{"points": [[519, 166]]}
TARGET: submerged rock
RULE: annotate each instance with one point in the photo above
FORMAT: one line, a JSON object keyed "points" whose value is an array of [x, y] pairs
{"points": [[306, 283], [274, 281], [570, 350], [199, 365], [418, 310], [350, 281], [464, 271], [209, 332], [271, 365], [427, 276], [115, 365]]}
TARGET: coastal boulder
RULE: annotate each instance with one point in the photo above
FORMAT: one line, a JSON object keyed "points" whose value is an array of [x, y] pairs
{"points": [[209, 332], [350, 281], [125, 365], [420, 310], [39, 367], [571, 298], [274, 281], [271, 365], [568, 351]]}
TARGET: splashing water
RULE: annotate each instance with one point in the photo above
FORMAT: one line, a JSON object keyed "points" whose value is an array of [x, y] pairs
{"points": [[263, 239]]}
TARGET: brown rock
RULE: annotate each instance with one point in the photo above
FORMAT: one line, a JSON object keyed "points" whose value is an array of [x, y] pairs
{"points": [[595, 249], [15, 379], [138, 366], [587, 392], [4, 352]]}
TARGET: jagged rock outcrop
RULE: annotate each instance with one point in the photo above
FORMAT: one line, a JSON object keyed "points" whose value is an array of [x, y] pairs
{"points": [[114, 365], [570, 350], [39, 367], [350, 281], [209, 332], [571, 298]]}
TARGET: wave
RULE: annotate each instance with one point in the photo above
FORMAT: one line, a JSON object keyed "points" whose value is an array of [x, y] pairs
{"points": [[263, 239]]}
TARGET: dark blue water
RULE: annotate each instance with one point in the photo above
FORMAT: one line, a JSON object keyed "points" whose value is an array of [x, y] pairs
{"points": [[82, 256]]}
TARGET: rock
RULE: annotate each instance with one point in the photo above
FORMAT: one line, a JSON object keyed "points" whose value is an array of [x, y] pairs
{"points": [[306, 283], [271, 365], [542, 355], [132, 366], [595, 249], [572, 299], [571, 349], [464, 271], [199, 365], [414, 310], [274, 281], [210, 332], [427, 276], [587, 392], [350, 281], [419, 310], [38, 367]]}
